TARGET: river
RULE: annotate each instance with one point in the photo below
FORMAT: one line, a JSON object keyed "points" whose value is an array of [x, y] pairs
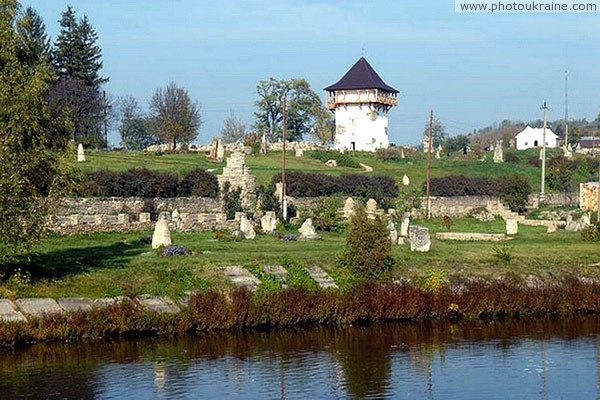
{"points": [[549, 358]]}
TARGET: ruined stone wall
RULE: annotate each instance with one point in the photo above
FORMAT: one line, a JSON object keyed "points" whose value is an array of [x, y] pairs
{"points": [[136, 205], [454, 207], [588, 196]]}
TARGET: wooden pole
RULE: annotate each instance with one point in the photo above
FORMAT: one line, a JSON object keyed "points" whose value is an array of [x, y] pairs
{"points": [[429, 163], [543, 183], [283, 138]]}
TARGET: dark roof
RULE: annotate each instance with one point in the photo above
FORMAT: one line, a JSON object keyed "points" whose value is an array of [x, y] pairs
{"points": [[361, 76]]}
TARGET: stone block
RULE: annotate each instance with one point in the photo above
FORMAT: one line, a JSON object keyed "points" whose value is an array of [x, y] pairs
{"points": [[157, 304], [73, 304], [321, 277], [38, 307], [144, 217], [512, 226], [239, 276], [278, 271], [123, 219], [9, 312], [419, 238], [109, 301]]}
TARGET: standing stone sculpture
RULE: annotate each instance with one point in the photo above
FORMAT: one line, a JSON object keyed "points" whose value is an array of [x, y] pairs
{"points": [[371, 206], [307, 231], [405, 180], [402, 156], [213, 149], [247, 228], [419, 238], [176, 218], [237, 173], [498, 152], [405, 224], [268, 222], [512, 226], [80, 153], [349, 205], [393, 232], [299, 152], [162, 234], [438, 151], [220, 150]]}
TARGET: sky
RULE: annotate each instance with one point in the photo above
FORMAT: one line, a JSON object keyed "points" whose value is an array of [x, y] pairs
{"points": [[472, 69]]}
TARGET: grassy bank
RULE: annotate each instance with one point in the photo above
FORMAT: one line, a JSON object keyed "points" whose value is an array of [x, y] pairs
{"points": [[266, 166], [366, 302], [111, 264]]}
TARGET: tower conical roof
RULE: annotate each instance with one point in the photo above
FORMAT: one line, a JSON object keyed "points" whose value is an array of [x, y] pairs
{"points": [[361, 76]]}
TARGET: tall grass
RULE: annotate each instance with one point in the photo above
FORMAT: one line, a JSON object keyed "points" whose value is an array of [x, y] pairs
{"points": [[363, 302]]}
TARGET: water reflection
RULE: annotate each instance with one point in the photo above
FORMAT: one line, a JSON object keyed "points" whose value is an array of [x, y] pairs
{"points": [[546, 358]]}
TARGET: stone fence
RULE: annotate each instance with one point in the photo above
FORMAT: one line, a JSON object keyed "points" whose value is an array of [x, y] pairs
{"points": [[136, 205]]}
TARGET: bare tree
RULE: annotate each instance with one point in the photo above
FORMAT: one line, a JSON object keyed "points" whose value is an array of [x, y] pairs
{"points": [[233, 129], [174, 117]]}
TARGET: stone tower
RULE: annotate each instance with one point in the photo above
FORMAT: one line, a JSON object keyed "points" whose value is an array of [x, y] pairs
{"points": [[360, 101]]}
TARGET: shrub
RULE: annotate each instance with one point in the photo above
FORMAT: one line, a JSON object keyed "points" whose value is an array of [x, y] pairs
{"points": [[170, 251], [511, 158], [503, 254], [592, 233], [560, 172], [368, 248], [199, 182], [513, 190], [145, 183], [268, 199], [391, 153], [534, 161], [342, 159], [232, 201], [300, 184], [434, 281], [325, 215]]}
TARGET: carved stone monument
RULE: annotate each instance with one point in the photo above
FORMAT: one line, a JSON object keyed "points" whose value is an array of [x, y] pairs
{"points": [[162, 234], [419, 238], [80, 153], [307, 231]]}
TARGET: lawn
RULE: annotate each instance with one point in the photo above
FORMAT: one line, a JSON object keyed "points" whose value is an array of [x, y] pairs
{"points": [[264, 167], [109, 264]]}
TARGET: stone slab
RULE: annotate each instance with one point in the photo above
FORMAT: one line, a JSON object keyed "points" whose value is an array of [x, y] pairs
{"points": [[467, 236], [278, 271], [109, 301], [158, 304], [321, 277], [39, 306], [9, 312], [73, 304], [240, 276], [542, 222]]}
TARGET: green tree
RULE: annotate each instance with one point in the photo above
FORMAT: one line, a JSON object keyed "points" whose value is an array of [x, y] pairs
{"points": [[304, 108], [133, 128], [77, 61], [174, 117], [32, 33], [32, 171], [233, 129], [560, 173], [438, 134], [368, 250], [456, 143], [324, 126]]}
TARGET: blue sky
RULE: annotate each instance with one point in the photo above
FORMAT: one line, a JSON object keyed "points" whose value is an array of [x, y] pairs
{"points": [[472, 69]]}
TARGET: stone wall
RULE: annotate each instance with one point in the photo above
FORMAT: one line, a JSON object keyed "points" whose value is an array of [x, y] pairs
{"points": [[136, 205], [553, 199], [588, 196], [455, 207]]}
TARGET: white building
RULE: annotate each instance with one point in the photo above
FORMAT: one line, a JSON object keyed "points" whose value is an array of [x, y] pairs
{"points": [[360, 101], [533, 137]]}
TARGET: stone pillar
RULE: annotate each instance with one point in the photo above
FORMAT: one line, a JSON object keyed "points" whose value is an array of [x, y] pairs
{"points": [[123, 219], [162, 234], [405, 224], [512, 226], [419, 238], [145, 217]]}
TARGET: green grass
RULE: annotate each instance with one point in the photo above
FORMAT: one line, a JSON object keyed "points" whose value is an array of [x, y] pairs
{"points": [[264, 167], [109, 264]]}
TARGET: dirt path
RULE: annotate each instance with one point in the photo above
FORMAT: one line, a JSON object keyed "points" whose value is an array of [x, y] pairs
{"points": [[366, 167]]}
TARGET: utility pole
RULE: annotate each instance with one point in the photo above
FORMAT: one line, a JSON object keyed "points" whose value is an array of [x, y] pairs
{"points": [[542, 192], [566, 113], [105, 120], [429, 163], [283, 191]]}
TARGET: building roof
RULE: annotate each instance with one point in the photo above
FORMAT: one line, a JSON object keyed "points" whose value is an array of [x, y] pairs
{"points": [[536, 131], [589, 142], [361, 76]]}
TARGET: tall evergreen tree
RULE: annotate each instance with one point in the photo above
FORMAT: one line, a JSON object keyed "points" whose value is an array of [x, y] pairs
{"points": [[31, 31], [77, 62]]}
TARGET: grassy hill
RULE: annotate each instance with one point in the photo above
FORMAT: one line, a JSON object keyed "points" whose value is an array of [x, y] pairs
{"points": [[266, 166]]}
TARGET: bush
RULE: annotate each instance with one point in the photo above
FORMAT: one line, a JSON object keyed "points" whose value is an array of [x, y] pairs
{"points": [[534, 161], [325, 215], [268, 199], [232, 201], [300, 184], [513, 190], [511, 158], [389, 153], [592, 233], [368, 248], [145, 183], [199, 182], [342, 159]]}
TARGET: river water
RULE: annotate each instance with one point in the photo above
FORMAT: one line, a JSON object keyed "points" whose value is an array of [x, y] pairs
{"points": [[550, 358]]}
